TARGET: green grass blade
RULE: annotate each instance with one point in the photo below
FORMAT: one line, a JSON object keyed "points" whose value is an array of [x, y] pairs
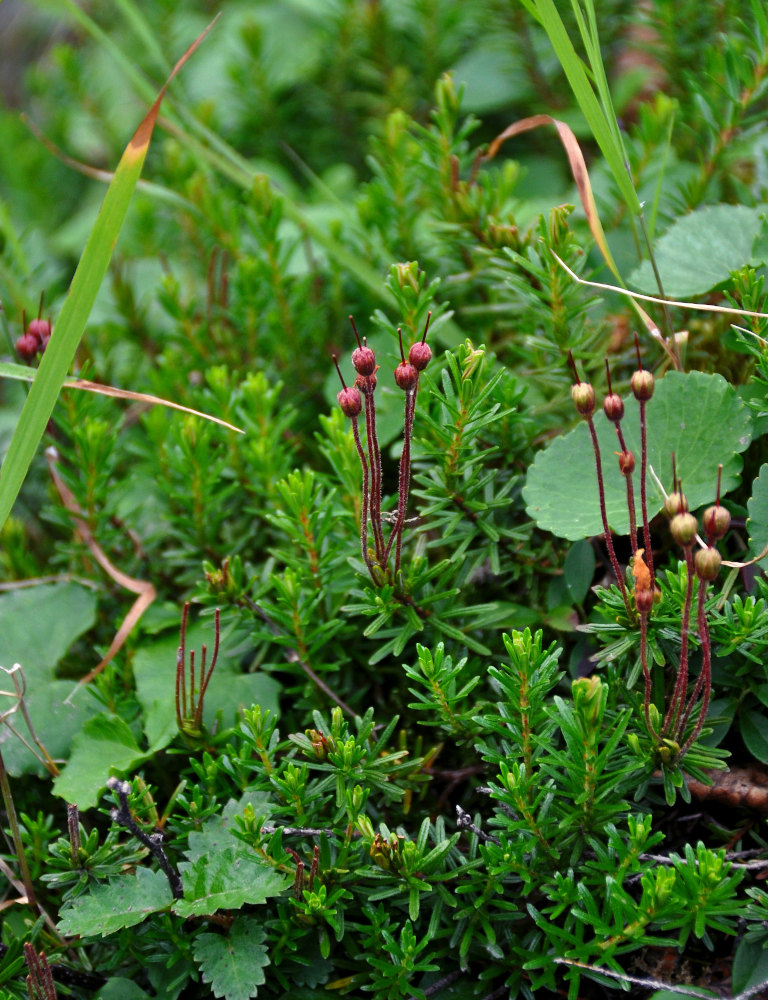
{"points": [[77, 306], [550, 20]]}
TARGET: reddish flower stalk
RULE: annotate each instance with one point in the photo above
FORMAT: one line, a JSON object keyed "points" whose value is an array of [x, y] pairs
{"points": [[646, 671], [190, 701], [584, 398], [351, 402], [705, 675], [681, 681], [642, 387]]}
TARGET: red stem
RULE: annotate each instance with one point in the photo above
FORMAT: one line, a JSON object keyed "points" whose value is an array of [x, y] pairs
{"points": [[681, 682], [366, 497], [607, 531]]}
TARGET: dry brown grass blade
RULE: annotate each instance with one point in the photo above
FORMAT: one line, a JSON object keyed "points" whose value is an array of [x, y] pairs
{"points": [[143, 397], [580, 175], [145, 590]]}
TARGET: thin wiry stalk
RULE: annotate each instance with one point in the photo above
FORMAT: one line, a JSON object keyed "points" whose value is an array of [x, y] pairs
{"points": [[705, 675], [181, 659], [374, 456], [404, 481], [366, 497], [644, 488], [630, 492], [646, 671], [607, 531], [205, 679], [681, 682]]}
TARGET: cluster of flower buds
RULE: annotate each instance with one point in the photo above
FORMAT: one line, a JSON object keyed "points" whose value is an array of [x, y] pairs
{"points": [[359, 397], [674, 734], [34, 340], [684, 527]]}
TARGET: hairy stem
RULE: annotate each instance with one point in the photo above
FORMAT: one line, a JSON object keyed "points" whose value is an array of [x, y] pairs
{"points": [[606, 530]]}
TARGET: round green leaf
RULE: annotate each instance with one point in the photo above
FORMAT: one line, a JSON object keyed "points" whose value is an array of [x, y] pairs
{"points": [[753, 727], [699, 251], [757, 522], [697, 416]]}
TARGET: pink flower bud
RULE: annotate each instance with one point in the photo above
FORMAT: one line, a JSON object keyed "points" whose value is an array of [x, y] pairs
{"points": [[364, 360], [406, 375], [420, 355], [350, 402], [613, 407]]}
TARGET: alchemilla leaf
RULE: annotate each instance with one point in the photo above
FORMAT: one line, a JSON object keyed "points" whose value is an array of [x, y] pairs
{"points": [[233, 963], [697, 416], [700, 250], [226, 881], [121, 902], [757, 506]]}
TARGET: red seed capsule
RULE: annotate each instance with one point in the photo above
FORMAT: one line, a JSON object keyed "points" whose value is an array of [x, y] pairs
{"points": [[27, 347], [613, 407], [40, 329], [350, 402], [364, 360], [626, 463], [406, 375], [420, 355]]}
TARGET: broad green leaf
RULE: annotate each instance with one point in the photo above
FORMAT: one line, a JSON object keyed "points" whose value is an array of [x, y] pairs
{"points": [[234, 963], [69, 327], [750, 967], [68, 611], [154, 668], [579, 569], [104, 746], [697, 416], [699, 250], [757, 507], [119, 988], [753, 727], [56, 721], [122, 902], [215, 835], [227, 881]]}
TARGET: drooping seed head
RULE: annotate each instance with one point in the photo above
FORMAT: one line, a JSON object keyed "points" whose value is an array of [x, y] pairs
{"points": [[707, 563], [683, 528], [717, 521], [583, 396], [613, 407], [643, 384]]}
